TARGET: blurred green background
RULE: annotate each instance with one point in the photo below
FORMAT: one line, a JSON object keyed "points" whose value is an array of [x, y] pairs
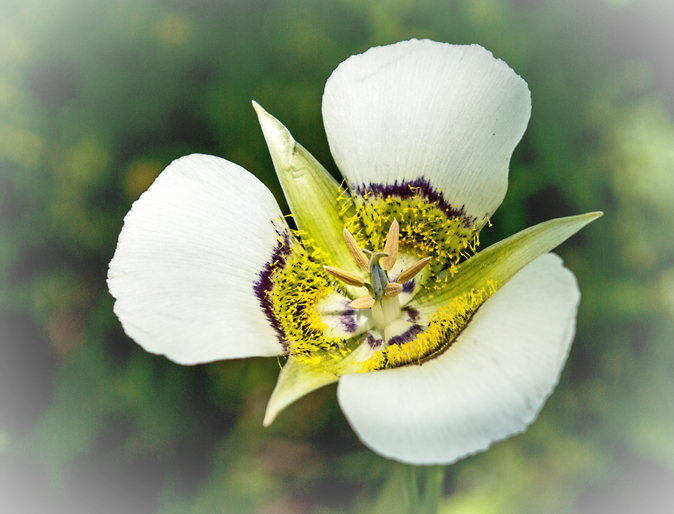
{"points": [[97, 97]]}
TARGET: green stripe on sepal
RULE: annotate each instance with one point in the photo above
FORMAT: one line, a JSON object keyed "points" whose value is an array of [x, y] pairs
{"points": [[312, 193], [502, 260]]}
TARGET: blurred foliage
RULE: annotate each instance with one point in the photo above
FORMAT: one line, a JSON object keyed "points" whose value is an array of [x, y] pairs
{"points": [[96, 98]]}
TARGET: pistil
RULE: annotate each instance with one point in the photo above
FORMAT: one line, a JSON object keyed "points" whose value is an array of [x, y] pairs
{"points": [[379, 281], [390, 306]]}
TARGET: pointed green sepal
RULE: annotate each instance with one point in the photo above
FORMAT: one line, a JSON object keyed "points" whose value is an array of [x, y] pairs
{"points": [[298, 378], [502, 260], [312, 193]]}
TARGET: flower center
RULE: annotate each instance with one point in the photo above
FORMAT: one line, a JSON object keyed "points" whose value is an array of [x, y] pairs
{"points": [[382, 298], [312, 307]]}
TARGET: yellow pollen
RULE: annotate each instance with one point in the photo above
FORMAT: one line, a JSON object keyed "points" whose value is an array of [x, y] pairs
{"points": [[412, 227], [297, 286], [424, 229], [445, 325]]}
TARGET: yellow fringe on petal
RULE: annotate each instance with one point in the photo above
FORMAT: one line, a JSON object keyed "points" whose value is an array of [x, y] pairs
{"points": [[445, 325], [297, 286], [425, 230]]}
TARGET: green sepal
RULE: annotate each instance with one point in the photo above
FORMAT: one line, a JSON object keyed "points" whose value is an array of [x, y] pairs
{"points": [[298, 378], [295, 380], [502, 260], [312, 193]]}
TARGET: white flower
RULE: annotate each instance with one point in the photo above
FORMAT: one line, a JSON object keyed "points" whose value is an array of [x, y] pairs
{"points": [[459, 350]]}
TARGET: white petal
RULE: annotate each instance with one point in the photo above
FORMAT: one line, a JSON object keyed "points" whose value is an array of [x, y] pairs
{"points": [[491, 383], [188, 257], [449, 114]]}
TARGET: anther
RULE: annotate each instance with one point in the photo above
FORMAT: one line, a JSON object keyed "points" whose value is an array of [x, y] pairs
{"points": [[391, 246], [355, 250], [393, 289], [346, 277], [411, 272], [364, 302]]}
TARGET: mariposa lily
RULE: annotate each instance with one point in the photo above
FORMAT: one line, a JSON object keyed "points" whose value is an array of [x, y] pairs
{"points": [[439, 349]]}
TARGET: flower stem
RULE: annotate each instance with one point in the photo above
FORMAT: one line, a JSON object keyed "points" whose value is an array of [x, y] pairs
{"points": [[411, 488], [427, 500], [435, 480]]}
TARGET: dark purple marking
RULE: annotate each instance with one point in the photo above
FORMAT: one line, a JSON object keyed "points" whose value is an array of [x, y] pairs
{"points": [[348, 321], [345, 312], [373, 341], [408, 286], [264, 285], [413, 314], [417, 187], [409, 335]]}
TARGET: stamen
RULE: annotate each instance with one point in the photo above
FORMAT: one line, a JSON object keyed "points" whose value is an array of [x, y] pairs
{"points": [[393, 289], [364, 302], [357, 253], [391, 246], [411, 272], [345, 276]]}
